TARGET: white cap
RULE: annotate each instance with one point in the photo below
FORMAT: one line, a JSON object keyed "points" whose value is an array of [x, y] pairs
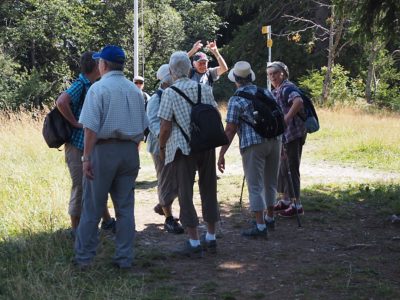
{"points": [[138, 78], [162, 72]]}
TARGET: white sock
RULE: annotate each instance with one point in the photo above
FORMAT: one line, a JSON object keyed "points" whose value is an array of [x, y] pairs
{"points": [[261, 227], [210, 237], [269, 219], [194, 243]]}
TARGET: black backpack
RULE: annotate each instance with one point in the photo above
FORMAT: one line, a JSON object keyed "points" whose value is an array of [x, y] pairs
{"points": [[207, 74], [309, 116], [268, 116], [56, 129], [206, 129]]}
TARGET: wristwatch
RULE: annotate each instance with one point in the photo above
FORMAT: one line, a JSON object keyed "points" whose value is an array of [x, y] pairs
{"points": [[85, 158]]}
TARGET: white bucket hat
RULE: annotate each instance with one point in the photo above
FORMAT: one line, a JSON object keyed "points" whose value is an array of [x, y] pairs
{"points": [[241, 69], [163, 72]]}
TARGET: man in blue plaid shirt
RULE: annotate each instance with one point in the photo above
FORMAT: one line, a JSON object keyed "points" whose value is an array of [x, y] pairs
{"points": [[260, 156], [70, 105]]}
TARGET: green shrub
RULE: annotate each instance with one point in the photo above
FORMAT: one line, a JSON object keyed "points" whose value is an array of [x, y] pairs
{"points": [[344, 90]]}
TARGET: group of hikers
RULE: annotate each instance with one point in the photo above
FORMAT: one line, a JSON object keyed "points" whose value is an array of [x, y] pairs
{"points": [[110, 116]]}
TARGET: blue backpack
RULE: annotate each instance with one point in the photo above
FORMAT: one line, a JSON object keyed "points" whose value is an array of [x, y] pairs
{"points": [[310, 116]]}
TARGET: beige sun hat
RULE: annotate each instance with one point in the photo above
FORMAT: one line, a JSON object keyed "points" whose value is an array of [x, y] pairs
{"points": [[163, 72], [241, 69]]}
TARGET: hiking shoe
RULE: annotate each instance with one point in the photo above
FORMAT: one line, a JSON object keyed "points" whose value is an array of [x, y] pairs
{"points": [[158, 210], [210, 246], [280, 206], [187, 250], [270, 225], [172, 226], [109, 225], [291, 212], [255, 233]]}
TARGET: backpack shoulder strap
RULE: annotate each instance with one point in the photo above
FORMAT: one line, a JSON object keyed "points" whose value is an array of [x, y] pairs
{"points": [[245, 95], [210, 78], [182, 94], [199, 93], [159, 93]]}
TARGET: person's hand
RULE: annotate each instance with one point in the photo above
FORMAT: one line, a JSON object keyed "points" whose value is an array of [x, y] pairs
{"points": [[197, 46], [162, 154], [88, 170], [221, 164], [212, 46], [78, 125]]}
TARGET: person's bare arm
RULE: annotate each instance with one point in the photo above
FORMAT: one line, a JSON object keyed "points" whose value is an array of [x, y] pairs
{"points": [[222, 66], [90, 140], [297, 104], [230, 131], [196, 47], [64, 106], [165, 132]]}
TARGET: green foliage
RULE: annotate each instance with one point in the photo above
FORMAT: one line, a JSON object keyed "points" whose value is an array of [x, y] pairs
{"points": [[10, 81], [344, 88], [387, 93]]}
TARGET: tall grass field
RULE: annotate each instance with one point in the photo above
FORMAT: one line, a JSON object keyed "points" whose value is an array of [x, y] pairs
{"points": [[35, 248]]}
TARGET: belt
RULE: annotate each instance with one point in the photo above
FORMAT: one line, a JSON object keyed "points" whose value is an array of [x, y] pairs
{"points": [[112, 141]]}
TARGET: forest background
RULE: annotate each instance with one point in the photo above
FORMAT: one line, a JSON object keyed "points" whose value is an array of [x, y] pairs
{"points": [[342, 52]]}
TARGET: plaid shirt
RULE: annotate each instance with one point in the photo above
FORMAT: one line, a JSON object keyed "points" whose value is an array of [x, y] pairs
{"points": [[240, 108], [174, 108], [296, 128], [79, 86]]}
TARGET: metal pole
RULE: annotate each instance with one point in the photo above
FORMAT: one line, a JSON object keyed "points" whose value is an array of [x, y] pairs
{"points": [[135, 38], [269, 52]]}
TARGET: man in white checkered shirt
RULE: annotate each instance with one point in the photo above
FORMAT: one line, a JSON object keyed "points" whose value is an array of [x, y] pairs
{"points": [[175, 149], [114, 119]]}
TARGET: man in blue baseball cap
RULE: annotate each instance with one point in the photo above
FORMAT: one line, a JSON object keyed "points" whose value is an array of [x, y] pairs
{"points": [[111, 53], [114, 119]]}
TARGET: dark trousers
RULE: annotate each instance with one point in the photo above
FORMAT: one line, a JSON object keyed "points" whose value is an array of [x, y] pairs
{"points": [[186, 166], [294, 150]]}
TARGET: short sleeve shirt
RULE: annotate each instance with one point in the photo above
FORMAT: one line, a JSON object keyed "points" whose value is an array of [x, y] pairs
{"points": [[77, 92], [204, 78], [240, 109], [296, 128], [176, 109], [114, 108]]}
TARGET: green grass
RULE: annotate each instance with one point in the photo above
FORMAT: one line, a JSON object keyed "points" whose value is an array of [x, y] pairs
{"points": [[356, 138], [35, 248]]}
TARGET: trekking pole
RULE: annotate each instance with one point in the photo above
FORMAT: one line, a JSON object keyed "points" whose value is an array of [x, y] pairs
{"points": [[241, 194], [290, 184]]}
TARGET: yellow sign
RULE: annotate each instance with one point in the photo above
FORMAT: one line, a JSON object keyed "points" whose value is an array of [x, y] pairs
{"points": [[264, 30], [269, 43]]}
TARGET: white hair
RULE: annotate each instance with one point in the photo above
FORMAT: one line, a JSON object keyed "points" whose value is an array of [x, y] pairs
{"points": [[179, 64]]}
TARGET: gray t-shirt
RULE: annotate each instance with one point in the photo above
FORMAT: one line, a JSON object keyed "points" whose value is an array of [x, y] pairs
{"points": [[204, 78]]}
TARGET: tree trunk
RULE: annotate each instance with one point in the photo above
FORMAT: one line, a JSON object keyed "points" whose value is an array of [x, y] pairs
{"points": [[331, 56], [370, 74], [335, 34]]}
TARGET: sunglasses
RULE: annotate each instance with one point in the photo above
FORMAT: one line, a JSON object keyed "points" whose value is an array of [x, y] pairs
{"points": [[138, 82]]}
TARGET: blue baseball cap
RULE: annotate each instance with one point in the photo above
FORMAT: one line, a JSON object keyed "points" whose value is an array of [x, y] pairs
{"points": [[111, 53]]}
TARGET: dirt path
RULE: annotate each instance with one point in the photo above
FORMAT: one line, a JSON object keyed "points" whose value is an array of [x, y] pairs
{"points": [[341, 254]]}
